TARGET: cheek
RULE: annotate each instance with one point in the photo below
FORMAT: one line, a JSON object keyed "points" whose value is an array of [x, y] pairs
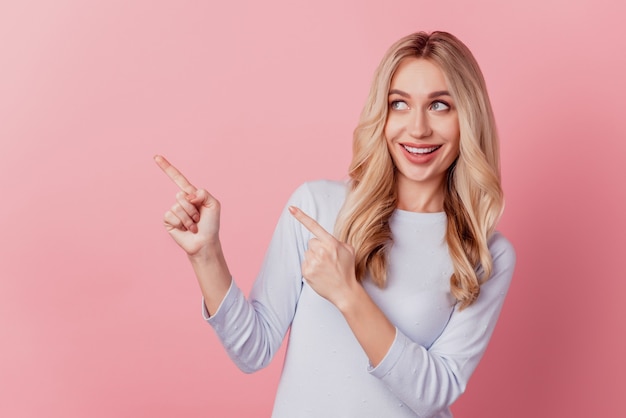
{"points": [[455, 137], [391, 129], [387, 134], [457, 141], [453, 133], [455, 147]]}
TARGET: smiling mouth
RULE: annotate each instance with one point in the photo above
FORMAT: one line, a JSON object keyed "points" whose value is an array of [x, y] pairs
{"points": [[421, 150]]}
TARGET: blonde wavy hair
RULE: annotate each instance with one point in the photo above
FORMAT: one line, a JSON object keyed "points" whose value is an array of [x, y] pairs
{"points": [[473, 199]]}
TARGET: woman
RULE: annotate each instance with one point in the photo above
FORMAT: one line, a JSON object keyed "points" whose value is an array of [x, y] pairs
{"points": [[391, 314]]}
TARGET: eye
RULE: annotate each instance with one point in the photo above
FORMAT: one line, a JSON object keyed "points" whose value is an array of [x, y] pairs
{"points": [[439, 106], [399, 105]]}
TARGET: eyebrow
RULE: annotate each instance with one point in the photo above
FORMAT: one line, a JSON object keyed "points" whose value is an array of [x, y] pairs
{"points": [[430, 96]]}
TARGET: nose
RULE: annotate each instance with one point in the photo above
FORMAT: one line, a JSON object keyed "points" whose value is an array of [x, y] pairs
{"points": [[420, 125]]}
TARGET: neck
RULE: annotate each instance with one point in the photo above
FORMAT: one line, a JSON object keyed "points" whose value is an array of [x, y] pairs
{"points": [[420, 197]]}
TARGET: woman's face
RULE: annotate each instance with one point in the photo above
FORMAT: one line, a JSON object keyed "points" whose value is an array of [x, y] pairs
{"points": [[422, 128]]}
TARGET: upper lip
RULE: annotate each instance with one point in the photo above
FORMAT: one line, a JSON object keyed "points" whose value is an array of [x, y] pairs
{"points": [[420, 145]]}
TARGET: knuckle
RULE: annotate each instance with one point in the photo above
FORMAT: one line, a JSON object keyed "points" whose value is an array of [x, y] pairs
{"points": [[171, 219]]}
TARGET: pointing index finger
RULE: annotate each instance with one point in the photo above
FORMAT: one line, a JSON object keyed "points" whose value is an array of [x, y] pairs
{"points": [[310, 224], [175, 175]]}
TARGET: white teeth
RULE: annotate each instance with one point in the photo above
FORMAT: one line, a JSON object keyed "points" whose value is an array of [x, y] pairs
{"points": [[414, 150]]}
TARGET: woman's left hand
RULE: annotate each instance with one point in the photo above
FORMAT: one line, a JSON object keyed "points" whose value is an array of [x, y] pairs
{"points": [[328, 268], [328, 265]]}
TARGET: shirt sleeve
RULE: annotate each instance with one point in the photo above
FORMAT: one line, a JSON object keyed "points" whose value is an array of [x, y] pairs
{"points": [[430, 379], [251, 330]]}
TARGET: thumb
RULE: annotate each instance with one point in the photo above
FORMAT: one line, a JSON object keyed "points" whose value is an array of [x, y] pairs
{"points": [[199, 198]]}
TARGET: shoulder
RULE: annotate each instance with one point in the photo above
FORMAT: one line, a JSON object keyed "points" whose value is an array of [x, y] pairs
{"points": [[501, 248], [320, 192], [503, 255], [324, 189], [320, 199]]}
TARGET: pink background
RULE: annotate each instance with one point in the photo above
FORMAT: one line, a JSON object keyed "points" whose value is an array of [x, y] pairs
{"points": [[99, 310]]}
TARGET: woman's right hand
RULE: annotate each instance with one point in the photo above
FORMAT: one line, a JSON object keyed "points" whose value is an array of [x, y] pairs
{"points": [[193, 221]]}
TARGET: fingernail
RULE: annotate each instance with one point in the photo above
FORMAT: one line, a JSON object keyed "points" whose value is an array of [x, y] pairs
{"points": [[196, 217], [191, 197], [292, 209], [193, 228]]}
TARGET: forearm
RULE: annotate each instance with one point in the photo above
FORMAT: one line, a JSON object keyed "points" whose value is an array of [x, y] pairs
{"points": [[374, 332], [213, 276]]}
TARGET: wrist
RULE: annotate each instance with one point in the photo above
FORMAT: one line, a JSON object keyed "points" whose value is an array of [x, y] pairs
{"points": [[212, 251], [352, 299]]}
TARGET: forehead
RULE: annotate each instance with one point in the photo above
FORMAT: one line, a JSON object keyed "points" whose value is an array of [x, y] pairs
{"points": [[419, 75]]}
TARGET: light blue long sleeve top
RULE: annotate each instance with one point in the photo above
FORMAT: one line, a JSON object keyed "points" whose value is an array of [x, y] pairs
{"points": [[326, 372]]}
